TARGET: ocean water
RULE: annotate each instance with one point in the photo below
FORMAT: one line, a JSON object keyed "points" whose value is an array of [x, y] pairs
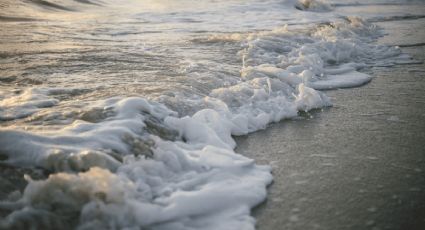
{"points": [[129, 107]]}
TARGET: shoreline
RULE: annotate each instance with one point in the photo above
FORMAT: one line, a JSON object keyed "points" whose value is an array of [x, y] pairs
{"points": [[103, 126], [358, 164]]}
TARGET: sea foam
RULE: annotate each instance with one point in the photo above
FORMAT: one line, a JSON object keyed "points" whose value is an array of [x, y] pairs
{"points": [[135, 163]]}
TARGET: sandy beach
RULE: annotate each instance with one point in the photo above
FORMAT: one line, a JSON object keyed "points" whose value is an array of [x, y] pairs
{"points": [[359, 164]]}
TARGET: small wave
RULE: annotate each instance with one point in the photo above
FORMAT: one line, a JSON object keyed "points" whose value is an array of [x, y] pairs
{"points": [[17, 105], [89, 2], [50, 5], [327, 57], [397, 18], [412, 45], [313, 5], [397, 3], [30, 10], [15, 19]]}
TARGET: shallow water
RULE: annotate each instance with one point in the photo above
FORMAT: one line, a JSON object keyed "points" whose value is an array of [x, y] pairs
{"points": [[147, 95]]}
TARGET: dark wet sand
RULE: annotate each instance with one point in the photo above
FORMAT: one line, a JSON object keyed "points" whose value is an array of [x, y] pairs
{"points": [[357, 165]]}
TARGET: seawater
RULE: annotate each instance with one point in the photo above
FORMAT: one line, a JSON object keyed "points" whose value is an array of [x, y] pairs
{"points": [[129, 107]]}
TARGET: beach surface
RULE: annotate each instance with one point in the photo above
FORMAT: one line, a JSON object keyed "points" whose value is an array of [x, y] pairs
{"points": [[359, 164]]}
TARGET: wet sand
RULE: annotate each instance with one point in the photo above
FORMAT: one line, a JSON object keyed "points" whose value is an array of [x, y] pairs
{"points": [[359, 164]]}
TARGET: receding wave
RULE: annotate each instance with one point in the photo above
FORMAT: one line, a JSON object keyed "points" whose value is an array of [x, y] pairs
{"points": [[135, 130]]}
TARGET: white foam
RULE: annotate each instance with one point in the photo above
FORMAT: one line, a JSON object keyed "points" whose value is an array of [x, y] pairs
{"points": [[183, 179], [329, 57], [192, 181], [192, 176], [121, 172], [343, 80]]}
